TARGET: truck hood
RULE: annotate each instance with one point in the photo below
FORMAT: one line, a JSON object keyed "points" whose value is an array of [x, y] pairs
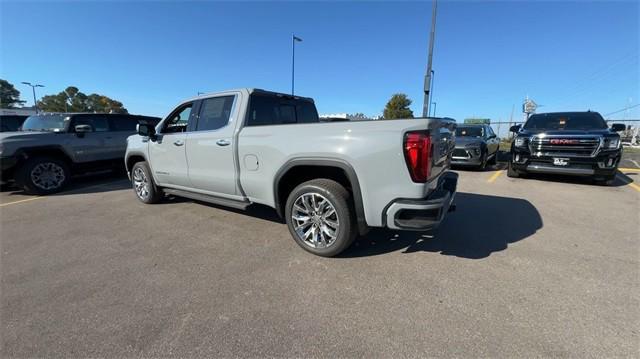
{"points": [[463, 141], [566, 132]]}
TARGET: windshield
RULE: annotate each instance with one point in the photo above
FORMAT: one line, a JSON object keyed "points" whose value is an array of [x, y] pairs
{"points": [[54, 123], [469, 132], [566, 121]]}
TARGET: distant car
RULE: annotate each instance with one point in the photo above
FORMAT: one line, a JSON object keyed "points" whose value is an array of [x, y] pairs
{"points": [[476, 145], [569, 143], [50, 148], [11, 123]]}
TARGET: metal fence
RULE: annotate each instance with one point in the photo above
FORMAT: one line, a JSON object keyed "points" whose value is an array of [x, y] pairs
{"points": [[631, 135]]}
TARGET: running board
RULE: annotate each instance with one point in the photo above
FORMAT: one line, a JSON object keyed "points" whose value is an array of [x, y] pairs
{"points": [[207, 198]]}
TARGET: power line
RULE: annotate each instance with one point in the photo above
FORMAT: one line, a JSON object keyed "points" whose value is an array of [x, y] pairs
{"points": [[621, 110]]}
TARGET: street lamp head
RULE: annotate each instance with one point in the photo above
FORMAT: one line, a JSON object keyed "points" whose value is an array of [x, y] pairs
{"points": [[26, 83], [39, 85]]}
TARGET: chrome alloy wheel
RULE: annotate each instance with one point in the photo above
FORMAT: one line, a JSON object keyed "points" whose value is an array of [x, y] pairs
{"points": [[315, 220], [140, 183], [48, 176]]}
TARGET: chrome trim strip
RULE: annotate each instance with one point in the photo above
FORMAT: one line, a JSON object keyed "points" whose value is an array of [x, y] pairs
{"points": [[560, 170]]}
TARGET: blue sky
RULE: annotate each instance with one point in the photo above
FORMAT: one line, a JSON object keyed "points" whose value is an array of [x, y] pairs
{"points": [[488, 55]]}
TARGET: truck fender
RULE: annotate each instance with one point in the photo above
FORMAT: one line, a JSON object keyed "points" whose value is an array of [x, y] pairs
{"points": [[351, 175]]}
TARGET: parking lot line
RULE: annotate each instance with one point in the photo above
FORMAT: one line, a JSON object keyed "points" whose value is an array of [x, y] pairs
{"points": [[495, 176], [20, 201], [628, 181], [629, 169]]}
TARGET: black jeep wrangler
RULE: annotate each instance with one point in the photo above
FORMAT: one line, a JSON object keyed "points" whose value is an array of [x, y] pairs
{"points": [[568, 143]]}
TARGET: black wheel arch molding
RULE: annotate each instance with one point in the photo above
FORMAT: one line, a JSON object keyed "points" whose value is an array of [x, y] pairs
{"points": [[341, 164], [25, 153]]}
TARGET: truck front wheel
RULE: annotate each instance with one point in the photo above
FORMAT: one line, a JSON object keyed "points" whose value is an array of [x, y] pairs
{"points": [[512, 172], [142, 182], [320, 218]]}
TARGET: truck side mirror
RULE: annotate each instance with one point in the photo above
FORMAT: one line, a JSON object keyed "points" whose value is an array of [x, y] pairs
{"points": [[617, 127], [514, 128], [146, 130], [82, 129]]}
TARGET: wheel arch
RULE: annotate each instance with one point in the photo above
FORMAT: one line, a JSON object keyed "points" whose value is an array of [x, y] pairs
{"points": [[298, 170], [133, 158], [59, 152]]}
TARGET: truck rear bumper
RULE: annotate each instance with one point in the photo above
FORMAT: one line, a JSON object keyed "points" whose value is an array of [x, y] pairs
{"points": [[423, 214]]}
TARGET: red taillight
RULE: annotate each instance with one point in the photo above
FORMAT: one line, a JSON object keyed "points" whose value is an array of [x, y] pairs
{"points": [[417, 154]]}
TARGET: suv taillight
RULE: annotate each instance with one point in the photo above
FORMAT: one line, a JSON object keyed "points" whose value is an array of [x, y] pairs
{"points": [[417, 154]]}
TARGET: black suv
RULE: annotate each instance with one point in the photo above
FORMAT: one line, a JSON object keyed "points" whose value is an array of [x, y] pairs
{"points": [[9, 123], [50, 148], [569, 143]]}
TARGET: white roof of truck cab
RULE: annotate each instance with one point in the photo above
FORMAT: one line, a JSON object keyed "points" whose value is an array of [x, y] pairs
{"points": [[248, 91]]}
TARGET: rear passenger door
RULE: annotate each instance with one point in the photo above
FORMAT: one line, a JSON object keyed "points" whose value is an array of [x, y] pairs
{"points": [[91, 146], [211, 147], [122, 126]]}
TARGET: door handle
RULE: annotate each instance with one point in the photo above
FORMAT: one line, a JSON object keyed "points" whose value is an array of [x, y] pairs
{"points": [[223, 142], [179, 143]]}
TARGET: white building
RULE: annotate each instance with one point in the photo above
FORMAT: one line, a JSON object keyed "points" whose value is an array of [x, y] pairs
{"points": [[348, 116]]}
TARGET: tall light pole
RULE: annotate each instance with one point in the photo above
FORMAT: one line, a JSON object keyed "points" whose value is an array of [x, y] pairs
{"points": [[429, 74], [33, 88], [432, 80], [294, 38]]}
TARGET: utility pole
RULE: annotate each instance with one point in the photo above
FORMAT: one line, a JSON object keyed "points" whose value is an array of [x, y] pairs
{"points": [[33, 88], [513, 108], [429, 74], [294, 38]]}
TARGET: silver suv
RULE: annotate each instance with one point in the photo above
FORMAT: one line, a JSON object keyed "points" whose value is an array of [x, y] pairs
{"points": [[50, 148]]}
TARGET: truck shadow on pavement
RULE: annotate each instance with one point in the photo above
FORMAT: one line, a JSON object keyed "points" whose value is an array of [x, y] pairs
{"points": [[92, 183], [620, 180], [480, 226]]}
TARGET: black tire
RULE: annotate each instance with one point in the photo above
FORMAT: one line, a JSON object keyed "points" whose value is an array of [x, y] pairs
{"points": [[511, 172], [339, 198], [143, 185], [43, 175], [494, 159], [483, 161]]}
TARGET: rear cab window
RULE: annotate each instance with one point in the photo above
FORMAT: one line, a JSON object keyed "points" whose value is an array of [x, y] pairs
{"points": [[276, 109]]}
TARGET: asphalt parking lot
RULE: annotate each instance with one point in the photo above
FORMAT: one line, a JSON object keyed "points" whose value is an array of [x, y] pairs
{"points": [[525, 267]]}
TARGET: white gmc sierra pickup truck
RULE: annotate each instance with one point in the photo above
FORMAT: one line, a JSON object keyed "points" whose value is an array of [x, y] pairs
{"points": [[329, 180]]}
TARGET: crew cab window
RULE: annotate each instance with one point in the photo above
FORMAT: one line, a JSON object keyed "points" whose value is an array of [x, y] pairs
{"points": [[98, 123], [123, 123], [277, 110], [178, 120], [306, 112], [214, 113]]}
